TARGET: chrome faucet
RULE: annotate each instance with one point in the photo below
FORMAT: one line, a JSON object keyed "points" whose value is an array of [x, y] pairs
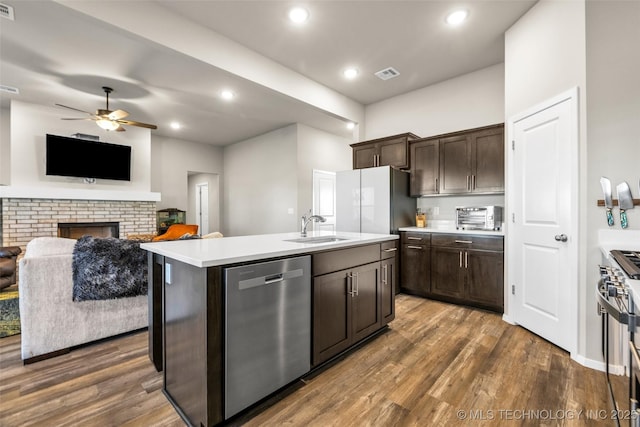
{"points": [[305, 220]]}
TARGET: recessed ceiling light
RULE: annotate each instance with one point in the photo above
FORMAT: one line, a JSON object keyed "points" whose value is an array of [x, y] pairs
{"points": [[227, 95], [351, 125], [351, 73], [457, 17], [175, 125], [298, 15]]}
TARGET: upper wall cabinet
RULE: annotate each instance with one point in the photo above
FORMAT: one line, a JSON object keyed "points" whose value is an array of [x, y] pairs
{"points": [[425, 172], [465, 162], [389, 151]]}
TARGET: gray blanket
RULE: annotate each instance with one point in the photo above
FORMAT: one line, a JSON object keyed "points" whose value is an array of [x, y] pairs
{"points": [[108, 268]]}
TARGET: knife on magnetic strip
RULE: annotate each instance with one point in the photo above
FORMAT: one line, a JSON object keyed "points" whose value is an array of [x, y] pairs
{"points": [[608, 203], [625, 201]]}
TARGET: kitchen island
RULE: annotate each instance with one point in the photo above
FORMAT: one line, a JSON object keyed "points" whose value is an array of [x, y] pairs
{"points": [[219, 302]]}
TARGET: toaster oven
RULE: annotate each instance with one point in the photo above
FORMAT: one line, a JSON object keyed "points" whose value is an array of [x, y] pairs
{"points": [[479, 218]]}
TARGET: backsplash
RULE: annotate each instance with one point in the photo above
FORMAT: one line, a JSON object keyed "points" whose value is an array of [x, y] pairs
{"points": [[443, 208]]}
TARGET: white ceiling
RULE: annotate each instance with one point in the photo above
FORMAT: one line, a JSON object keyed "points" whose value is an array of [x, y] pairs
{"points": [[55, 54]]}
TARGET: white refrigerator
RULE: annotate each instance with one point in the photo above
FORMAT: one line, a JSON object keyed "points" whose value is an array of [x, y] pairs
{"points": [[374, 200]]}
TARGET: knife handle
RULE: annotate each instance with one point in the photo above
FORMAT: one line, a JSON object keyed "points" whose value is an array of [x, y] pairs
{"points": [[609, 217], [623, 219]]}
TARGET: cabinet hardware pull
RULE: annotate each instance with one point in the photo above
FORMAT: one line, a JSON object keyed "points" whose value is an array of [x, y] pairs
{"points": [[414, 238], [357, 284], [384, 277], [390, 250], [437, 188], [466, 260], [473, 182], [414, 247], [464, 241], [350, 280], [468, 186], [460, 253]]}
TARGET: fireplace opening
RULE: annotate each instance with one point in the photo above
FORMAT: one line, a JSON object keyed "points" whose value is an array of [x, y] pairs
{"points": [[75, 230]]}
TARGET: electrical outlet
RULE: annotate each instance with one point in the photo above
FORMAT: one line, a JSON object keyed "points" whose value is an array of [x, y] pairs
{"points": [[436, 210], [290, 211]]}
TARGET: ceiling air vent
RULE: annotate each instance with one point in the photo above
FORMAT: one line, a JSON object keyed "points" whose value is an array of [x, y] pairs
{"points": [[6, 11], [9, 89], [387, 73]]}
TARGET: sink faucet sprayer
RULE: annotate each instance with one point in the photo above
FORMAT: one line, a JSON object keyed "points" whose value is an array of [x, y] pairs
{"points": [[305, 220]]}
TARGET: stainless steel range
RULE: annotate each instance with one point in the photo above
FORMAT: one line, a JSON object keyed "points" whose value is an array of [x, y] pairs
{"points": [[619, 275]]}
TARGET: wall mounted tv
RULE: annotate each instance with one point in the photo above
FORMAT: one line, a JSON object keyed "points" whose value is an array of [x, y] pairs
{"points": [[87, 159]]}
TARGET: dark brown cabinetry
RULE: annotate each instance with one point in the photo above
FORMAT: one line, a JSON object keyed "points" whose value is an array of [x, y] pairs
{"points": [[415, 275], [388, 151], [353, 297], [468, 269], [424, 167], [470, 161], [389, 275]]}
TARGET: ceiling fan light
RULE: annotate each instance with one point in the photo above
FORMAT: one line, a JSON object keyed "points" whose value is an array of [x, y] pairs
{"points": [[108, 124]]}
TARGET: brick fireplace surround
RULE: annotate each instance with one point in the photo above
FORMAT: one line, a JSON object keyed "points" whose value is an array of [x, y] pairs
{"points": [[24, 219]]}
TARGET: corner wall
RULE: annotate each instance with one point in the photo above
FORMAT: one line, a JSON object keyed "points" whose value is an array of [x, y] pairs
{"points": [[613, 70], [545, 55]]}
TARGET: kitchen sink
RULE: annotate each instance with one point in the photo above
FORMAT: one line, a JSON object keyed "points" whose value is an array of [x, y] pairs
{"points": [[317, 239]]}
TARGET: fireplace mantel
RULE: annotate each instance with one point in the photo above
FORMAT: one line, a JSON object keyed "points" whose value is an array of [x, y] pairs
{"points": [[16, 192]]}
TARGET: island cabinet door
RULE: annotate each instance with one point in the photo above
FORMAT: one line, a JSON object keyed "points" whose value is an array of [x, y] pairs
{"points": [[366, 299], [331, 313], [388, 284]]}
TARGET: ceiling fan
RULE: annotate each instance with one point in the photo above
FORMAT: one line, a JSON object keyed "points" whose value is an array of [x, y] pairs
{"points": [[107, 119]]}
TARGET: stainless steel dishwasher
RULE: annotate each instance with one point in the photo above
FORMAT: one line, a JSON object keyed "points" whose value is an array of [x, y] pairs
{"points": [[267, 329]]}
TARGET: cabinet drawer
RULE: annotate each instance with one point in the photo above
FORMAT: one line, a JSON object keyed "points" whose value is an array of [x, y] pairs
{"points": [[466, 241], [330, 261], [415, 238], [388, 249]]}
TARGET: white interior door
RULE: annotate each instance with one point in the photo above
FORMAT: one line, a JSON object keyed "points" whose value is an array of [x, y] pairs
{"points": [[324, 199], [202, 208], [543, 231]]}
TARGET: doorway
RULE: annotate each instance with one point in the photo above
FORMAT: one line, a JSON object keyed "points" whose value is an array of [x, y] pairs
{"points": [[542, 238], [203, 201]]}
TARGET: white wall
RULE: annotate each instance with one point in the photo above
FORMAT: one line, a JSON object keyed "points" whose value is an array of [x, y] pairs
{"points": [[472, 100], [5, 145], [545, 55], [29, 125], [268, 180], [613, 68], [172, 159], [261, 184], [321, 151]]}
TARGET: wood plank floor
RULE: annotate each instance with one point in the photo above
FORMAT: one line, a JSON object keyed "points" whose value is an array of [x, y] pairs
{"points": [[435, 360]]}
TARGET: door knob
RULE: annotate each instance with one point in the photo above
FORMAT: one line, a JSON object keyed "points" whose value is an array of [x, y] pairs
{"points": [[561, 237]]}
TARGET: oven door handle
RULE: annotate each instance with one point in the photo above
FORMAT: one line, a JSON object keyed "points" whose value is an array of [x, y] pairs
{"points": [[612, 310]]}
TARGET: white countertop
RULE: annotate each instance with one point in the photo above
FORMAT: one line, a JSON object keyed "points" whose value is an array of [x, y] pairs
{"points": [[230, 250], [451, 230]]}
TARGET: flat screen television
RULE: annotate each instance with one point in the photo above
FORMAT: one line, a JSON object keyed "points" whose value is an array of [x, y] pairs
{"points": [[84, 158]]}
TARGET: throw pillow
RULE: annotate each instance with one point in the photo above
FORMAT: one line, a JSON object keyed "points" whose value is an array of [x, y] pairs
{"points": [[175, 231]]}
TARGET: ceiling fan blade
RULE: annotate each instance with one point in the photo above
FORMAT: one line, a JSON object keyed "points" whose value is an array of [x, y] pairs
{"points": [[75, 118], [76, 109], [118, 114], [139, 124], [120, 129]]}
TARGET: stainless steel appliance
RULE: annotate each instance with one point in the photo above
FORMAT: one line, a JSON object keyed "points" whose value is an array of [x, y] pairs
{"points": [[616, 304], [374, 200], [268, 329], [479, 218]]}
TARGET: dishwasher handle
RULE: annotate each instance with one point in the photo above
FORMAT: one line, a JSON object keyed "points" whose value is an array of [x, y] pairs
{"points": [[273, 279], [269, 279]]}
